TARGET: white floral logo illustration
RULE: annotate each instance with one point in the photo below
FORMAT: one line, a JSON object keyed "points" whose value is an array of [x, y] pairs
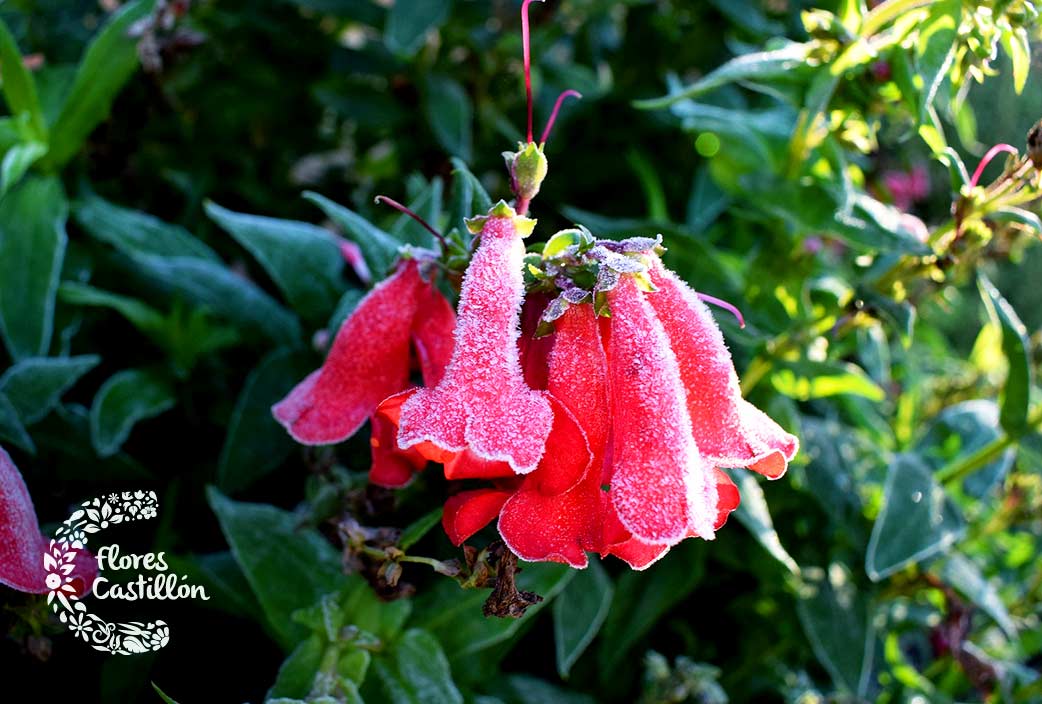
{"points": [[117, 638]]}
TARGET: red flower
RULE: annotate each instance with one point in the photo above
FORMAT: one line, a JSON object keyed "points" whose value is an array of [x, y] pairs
{"points": [[729, 430], [22, 547], [370, 358], [482, 411]]}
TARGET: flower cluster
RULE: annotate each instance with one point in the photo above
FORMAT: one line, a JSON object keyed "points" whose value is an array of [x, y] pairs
{"points": [[589, 387]]}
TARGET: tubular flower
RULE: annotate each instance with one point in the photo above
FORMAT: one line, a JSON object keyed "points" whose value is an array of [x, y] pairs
{"points": [[22, 547], [729, 430], [370, 358], [482, 408]]}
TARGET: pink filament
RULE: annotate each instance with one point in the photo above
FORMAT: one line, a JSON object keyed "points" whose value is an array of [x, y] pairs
{"points": [[526, 45], [553, 115], [726, 306], [991, 154], [406, 211]]}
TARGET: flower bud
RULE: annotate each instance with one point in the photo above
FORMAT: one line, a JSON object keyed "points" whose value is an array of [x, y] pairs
{"points": [[527, 169]]}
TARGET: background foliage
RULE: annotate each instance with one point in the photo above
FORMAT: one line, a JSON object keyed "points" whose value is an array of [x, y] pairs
{"points": [[162, 282]]}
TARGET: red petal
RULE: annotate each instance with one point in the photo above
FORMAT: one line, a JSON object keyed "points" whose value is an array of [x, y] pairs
{"points": [[369, 362], [482, 403], [728, 497], [535, 351], [661, 486], [538, 527], [567, 457], [469, 511], [391, 467], [21, 547], [432, 334], [467, 465], [729, 431]]}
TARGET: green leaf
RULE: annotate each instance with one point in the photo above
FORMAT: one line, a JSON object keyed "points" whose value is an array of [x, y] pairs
{"points": [[959, 431], [471, 196], [125, 399], [408, 22], [525, 689], [579, 612], [162, 694], [32, 249], [917, 519], [808, 380], [143, 317], [419, 528], [1017, 215], [965, 576], [255, 443], [303, 260], [450, 114], [11, 428], [224, 582], [19, 88], [642, 598], [448, 612], [287, 566], [297, 674], [379, 248], [706, 202], [837, 619], [344, 308], [35, 385], [427, 204], [753, 513], [109, 62], [224, 293], [1017, 45], [17, 161], [418, 672], [1017, 388], [935, 49], [133, 232], [763, 66]]}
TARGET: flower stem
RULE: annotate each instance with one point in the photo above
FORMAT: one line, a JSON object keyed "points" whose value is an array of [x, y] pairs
{"points": [[406, 211], [962, 468]]}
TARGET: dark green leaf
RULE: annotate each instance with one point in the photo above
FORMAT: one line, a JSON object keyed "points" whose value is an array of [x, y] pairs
{"points": [[965, 576], [450, 114], [419, 528], [297, 674], [418, 673], [579, 612], [470, 195], [409, 21], [109, 62], [447, 611], [133, 232], [224, 293], [303, 260], [753, 513], [379, 248], [11, 428], [426, 204], [917, 519], [145, 318], [125, 399], [961, 430], [837, 619], [35, 385], [162, 694], [17, 161], [642, 598], [224, 582], [19, 87], [255, 443], [32, 249], [1017, 388], [287, 566]]}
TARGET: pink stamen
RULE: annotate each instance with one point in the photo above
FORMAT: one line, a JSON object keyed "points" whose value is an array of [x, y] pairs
{"points": [[402, 209], [991, 154], [726, 306], [557, 107], [526, 45]]}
